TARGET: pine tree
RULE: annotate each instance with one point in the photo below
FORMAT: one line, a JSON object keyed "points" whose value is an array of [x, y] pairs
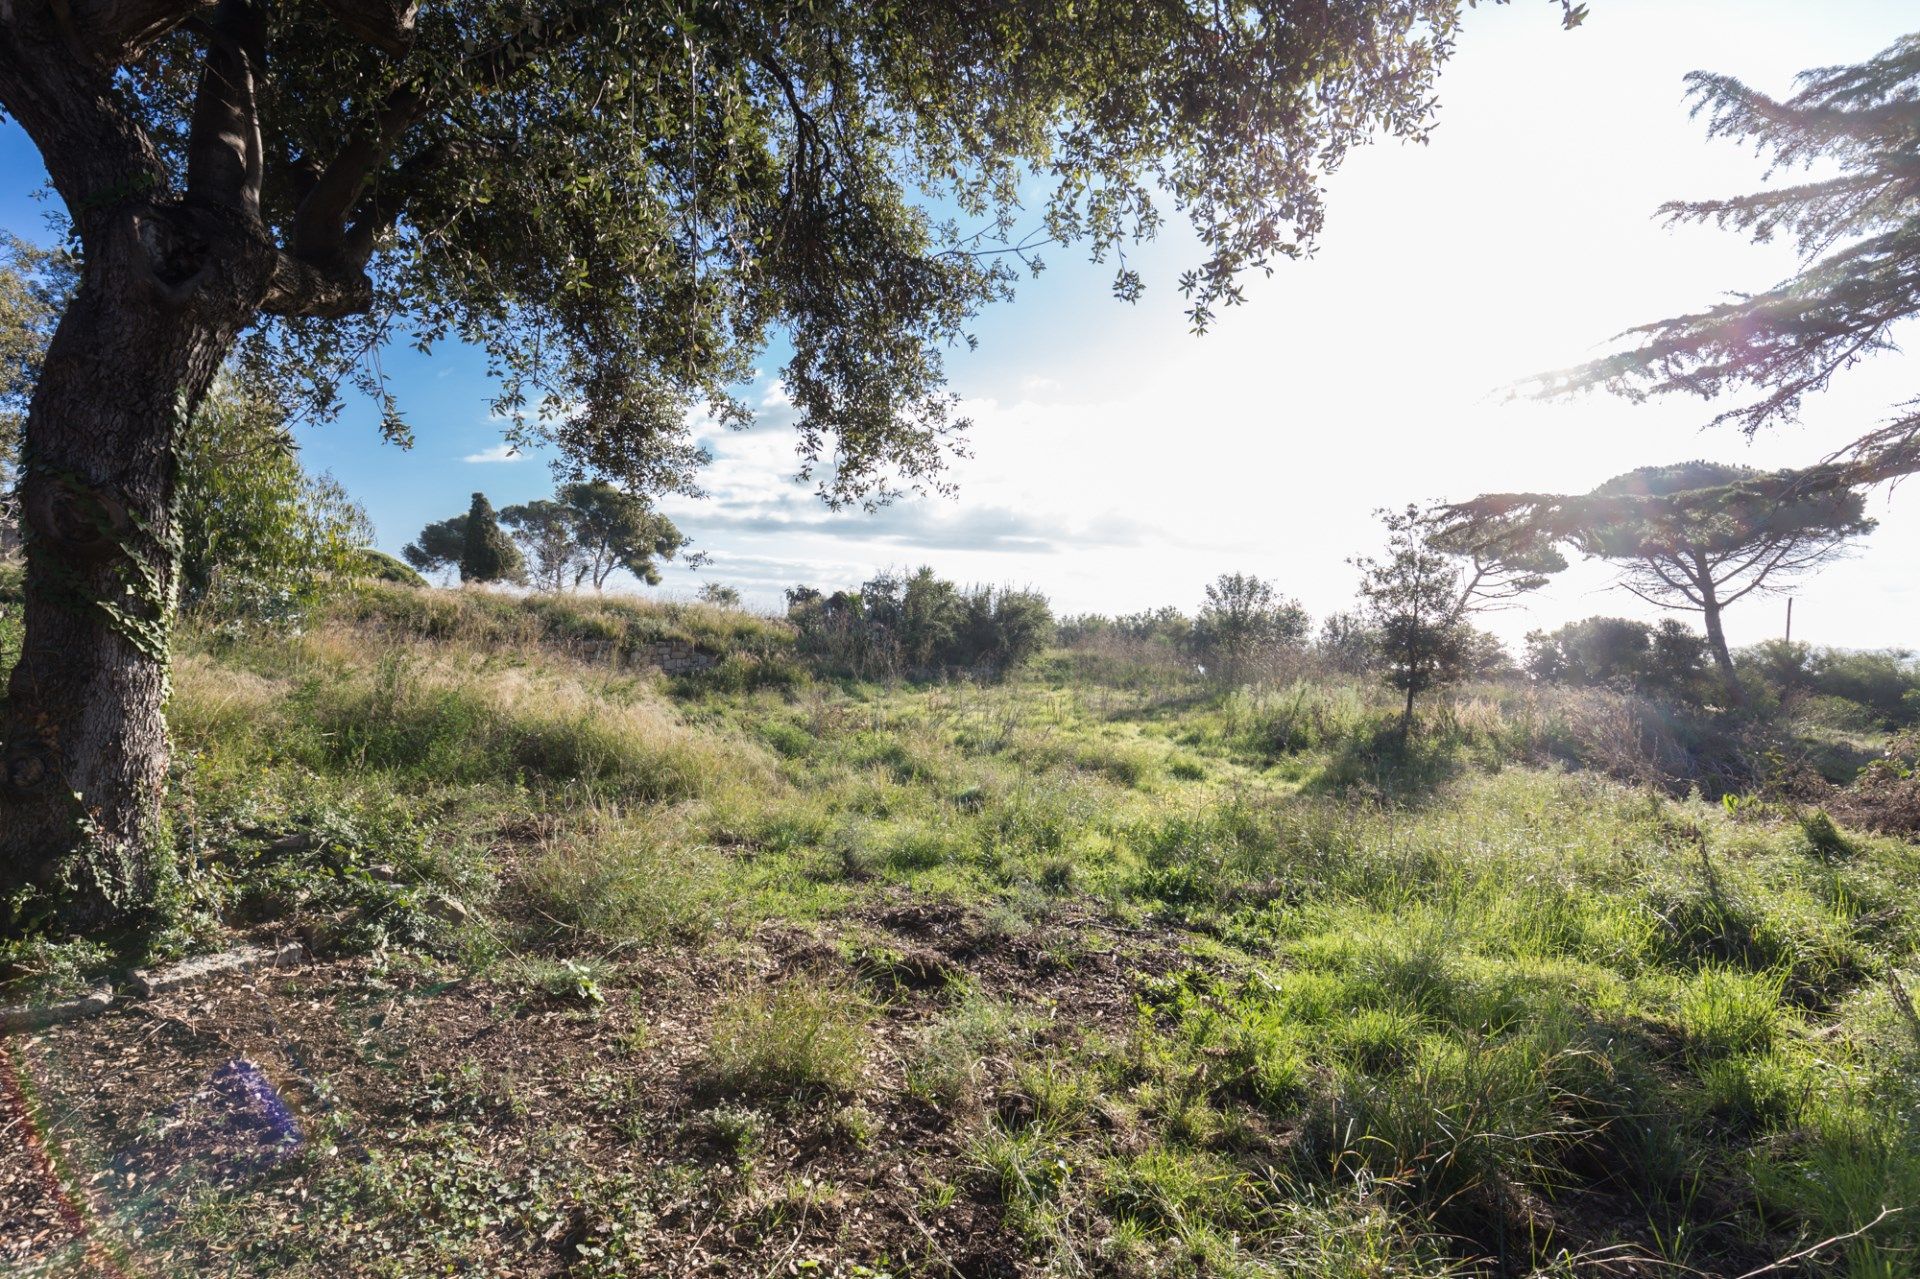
{"points": [[1703, 565], [489, 554], [1858, 234], [1410, 598], [1857, 229]]}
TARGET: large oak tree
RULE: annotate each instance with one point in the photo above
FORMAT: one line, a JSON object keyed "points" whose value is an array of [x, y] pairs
{"points": [[619, 202]]}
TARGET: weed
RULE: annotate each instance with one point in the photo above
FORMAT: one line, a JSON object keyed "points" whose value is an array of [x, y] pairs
{"points": [[804, 1036]]}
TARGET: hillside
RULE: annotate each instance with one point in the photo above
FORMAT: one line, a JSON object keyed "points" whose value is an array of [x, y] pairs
{"points": [[745, 970]]}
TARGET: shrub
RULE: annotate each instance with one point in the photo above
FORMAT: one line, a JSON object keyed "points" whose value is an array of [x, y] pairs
{"points": [[1874, 691], [920, 626], [1666, 660], [1244, 626], [259, 537], [379, 566]]}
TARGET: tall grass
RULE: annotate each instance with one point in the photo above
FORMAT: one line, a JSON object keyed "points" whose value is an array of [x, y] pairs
{"points": [[1402, 1005]]}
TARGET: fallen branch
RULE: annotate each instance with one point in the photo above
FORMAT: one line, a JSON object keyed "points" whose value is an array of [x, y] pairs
{"points": [[1804, 1253]]}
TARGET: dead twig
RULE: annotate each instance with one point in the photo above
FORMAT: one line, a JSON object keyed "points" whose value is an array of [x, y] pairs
{"points": [[1804, 1253]]}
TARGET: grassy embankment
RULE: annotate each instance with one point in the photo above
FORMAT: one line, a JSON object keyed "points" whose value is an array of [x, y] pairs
{"points": [[1089, 973]]}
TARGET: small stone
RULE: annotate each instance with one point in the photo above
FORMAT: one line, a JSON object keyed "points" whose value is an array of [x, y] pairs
{"points": [[450, 909]]}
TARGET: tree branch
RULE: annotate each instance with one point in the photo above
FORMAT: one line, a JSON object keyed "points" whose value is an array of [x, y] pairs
{"points": [[320, 223], [387, 25], [316, 290], [223, 145], [108, 33], [100, 159]]}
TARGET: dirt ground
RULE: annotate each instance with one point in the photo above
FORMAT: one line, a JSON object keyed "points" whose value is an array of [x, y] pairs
{"points": [[125, 1133]]}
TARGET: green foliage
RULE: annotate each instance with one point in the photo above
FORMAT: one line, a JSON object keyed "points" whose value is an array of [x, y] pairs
{"points": [[12, 619], [1165, 627], [34, 285], [719, 594], [729, 180], [260, 538], [544, 530], [1855, 228], [1348, 643], [378, 566], [619, 627], [1411, 602], [921, 625], [1244, 625], [615, 529], [1865, 690], [439, 547], [583, 534], [486, 553], [1666, 660], [1706, 560]]}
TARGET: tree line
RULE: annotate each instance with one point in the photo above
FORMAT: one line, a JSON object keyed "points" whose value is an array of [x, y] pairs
{"points": [[1417, 599], [583, 534], [920, 624]]}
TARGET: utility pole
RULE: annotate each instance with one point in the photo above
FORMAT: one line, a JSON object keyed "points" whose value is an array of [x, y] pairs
{"points": [[1789, 619]]}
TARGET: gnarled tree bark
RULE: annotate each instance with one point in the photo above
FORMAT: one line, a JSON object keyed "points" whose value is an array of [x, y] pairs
{"points": [[167, 283], [174, 268]]}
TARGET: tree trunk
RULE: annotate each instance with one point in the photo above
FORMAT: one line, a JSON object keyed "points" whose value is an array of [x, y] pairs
{"points": [[83, 729], [1722, 657], [1406, 716]]}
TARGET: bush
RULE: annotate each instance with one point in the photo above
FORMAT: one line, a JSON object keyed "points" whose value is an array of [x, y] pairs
{"points": [[1878, 690], [1617, 653], [1244, 626], [260, 538], [920, 626], [378, 566]]}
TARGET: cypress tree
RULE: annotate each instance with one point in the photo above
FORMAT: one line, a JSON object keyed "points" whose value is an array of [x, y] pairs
{"points": [[489, 554]]}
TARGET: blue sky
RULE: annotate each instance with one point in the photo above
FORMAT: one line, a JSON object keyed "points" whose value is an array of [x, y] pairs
{"points": [[1120, 462]]}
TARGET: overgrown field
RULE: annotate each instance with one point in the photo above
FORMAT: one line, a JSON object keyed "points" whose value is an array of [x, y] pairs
{"points": [[1088, 973]]}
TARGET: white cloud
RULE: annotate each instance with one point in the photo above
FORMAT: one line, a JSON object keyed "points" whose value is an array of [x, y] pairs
{"points": [[498, 453]]}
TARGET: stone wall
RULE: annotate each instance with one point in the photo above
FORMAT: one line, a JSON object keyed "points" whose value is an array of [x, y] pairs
{"points": [[668, 656]]}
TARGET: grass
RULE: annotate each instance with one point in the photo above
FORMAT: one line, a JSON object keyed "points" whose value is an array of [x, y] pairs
{"points": [[805, 1035], [1097, 969]]}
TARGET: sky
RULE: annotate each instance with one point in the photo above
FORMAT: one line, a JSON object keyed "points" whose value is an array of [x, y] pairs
{"points": [[1120, 462]]}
